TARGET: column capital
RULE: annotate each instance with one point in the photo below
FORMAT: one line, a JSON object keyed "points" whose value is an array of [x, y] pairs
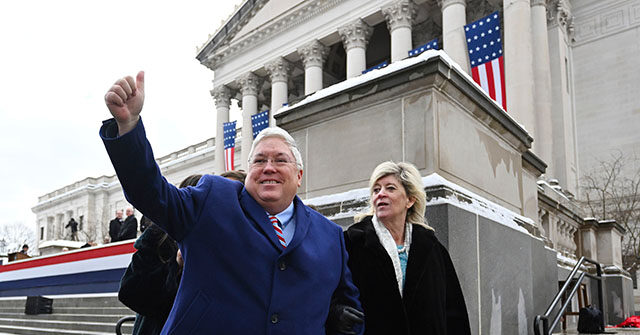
{"points": [[446, 3], [400, 14], [221, 96], [278, 69], [313, 53], [249, 84], [559, 13], [355, 34]]}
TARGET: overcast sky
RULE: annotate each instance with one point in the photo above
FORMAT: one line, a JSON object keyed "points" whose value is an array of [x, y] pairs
{"points": [[57, 60]]}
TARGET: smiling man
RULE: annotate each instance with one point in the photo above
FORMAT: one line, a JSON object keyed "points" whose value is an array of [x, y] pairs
{"points": [[256, 259]]}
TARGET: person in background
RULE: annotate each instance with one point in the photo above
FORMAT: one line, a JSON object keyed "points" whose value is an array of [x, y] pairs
{"points": [[238, 175], [151, 281], [25, 249], [407, 282], [115, 225], [73, 225], [129, 228]]}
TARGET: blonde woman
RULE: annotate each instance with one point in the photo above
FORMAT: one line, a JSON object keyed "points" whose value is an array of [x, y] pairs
{"points": [[405, 276]]}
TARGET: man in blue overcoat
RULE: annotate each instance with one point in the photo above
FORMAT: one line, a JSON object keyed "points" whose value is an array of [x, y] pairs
{"points": [[256, 259]]}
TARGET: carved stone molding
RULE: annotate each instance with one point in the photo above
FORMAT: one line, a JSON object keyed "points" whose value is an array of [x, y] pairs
{"points": [[605, 18], [307, 11], [278, 69], [446, 3], [559, 14], [400, 14], [221, 96], [249, 84], [355, 35], [313, 53]]}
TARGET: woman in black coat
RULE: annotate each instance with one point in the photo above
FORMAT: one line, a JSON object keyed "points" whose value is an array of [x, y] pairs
{"points": [[407, 282], [150, 284]]}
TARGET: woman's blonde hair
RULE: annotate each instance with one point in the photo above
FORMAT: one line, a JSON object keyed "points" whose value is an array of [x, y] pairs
{"points": [[410, 178]]}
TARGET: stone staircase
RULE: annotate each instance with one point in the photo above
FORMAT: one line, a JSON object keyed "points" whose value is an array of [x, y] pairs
{"points": [[90, 314]]}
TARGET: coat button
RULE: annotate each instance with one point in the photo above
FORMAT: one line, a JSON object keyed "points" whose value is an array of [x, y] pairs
{"points": [[275, 318], [282, 266]]}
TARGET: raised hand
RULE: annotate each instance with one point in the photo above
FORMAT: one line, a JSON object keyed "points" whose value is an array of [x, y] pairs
{"points": [[124, 100]]}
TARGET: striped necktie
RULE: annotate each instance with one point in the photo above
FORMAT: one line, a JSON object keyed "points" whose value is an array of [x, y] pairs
{"points": [[276, 226]]}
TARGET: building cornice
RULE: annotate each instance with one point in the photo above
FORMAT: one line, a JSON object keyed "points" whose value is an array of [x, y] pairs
{"points": [[605, 18], [232, 26], [215, 55]]}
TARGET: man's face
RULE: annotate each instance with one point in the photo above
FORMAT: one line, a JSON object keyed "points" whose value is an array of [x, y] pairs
{"points": [[273, 177], [129, 212], [119, 214]]}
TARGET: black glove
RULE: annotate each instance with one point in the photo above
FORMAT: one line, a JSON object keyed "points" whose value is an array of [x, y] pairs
{"points": [[343, 318]]}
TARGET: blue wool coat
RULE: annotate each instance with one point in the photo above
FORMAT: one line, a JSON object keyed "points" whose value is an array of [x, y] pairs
{"points": [[237, 278]]}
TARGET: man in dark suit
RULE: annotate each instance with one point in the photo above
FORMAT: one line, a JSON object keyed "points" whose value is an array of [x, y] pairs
{"points": [[129, 229], [256, 259], [115, 225]]}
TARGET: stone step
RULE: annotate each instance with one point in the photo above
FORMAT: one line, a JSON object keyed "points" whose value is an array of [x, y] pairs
{"points": [[94, 310], [77, 310], [8, 329], [67, 317], [104, 327], [104, 300]]}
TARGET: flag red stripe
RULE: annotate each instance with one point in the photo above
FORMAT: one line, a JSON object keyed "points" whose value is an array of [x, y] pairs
{"points": [[475, 75], [492, 85], [502, 75]]}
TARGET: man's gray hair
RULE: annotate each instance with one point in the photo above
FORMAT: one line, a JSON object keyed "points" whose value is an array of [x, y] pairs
{"points": [[282, 134]]}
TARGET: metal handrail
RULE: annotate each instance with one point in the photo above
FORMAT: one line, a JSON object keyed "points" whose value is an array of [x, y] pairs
{"points": [[121, 321], [545, 317]]}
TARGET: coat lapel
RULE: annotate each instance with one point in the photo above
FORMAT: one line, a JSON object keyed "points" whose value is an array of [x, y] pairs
{"points": [[258, 215], [303, 221], [421, 247], [377, 252]]}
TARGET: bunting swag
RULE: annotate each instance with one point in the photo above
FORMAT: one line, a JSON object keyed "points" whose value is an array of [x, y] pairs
{"points": [[433, 44], [259, 121], [484, 43], [229, 129]]}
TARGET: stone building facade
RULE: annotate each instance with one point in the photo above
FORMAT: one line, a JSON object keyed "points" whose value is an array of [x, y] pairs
{"points": [[502, 186]]}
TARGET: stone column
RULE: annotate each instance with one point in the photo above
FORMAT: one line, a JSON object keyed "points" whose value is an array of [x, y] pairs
{"points": [[399, 17], [518, 62], [542, 144], [249, 88], [279, 73], [222, 97], [355, 37], [453, 38], [313, 56]]}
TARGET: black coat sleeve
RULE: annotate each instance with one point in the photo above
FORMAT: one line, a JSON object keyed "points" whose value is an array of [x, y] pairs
{"points": [[150, 283]]}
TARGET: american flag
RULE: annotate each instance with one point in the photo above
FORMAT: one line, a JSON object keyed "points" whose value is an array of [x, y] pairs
{"points": [[259, 121], [229, 129], [433, 44], [485, 54]]}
